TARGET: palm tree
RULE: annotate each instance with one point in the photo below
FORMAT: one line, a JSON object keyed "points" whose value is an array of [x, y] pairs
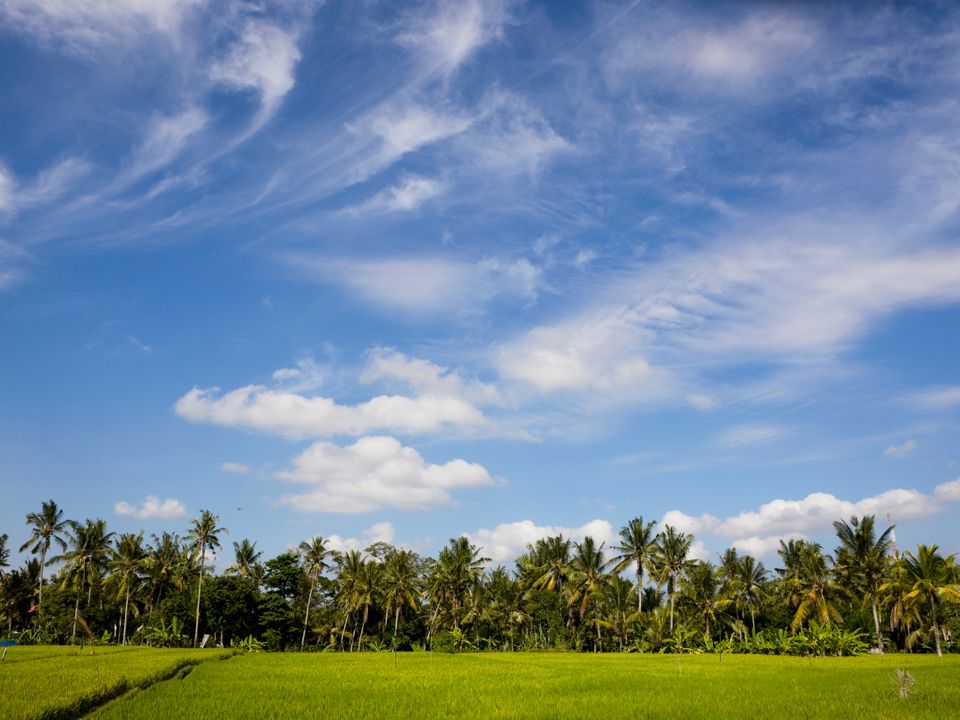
{"points": [[48, 527], [246, 559], [365, 594], [551, 559], [458, 569], [127, 562], [933, 579], [401, 584], [165, 566], [637, 547], [89, 547], [810, 585], [701, 591], [350, 567], [204, 534], [751, 581], [862, 561], [4, 554], [587, 579], [671, 560], [314, 555]]}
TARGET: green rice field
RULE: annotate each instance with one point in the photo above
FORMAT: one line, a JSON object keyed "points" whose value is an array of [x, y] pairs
{"points": [[60, 683]]}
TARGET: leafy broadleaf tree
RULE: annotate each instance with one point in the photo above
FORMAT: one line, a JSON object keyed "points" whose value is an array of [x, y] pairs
{"points": [[47, 527], [204, 535]]}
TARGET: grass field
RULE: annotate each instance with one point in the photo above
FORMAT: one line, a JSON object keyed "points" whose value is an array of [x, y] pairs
{"points": [[62, 682], [421, 685]]}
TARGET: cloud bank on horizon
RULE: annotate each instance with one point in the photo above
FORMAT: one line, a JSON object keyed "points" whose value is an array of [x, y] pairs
{"points": [[409, 270]]}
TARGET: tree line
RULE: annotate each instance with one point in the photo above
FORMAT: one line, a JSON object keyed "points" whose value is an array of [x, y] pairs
{"points": [[643, 594]]}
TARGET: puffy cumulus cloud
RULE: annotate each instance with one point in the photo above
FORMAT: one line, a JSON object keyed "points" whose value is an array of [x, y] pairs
{"points": [[292, 415], [901, 450], [505, 542], [375, 473], [761, 530], [425, 377], [378, 532], [152, 508], [234, 468], [446, 34], [948, 491], [263, 59], [599, 353]]}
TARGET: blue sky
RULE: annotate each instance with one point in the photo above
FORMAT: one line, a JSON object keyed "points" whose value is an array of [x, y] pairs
{"points": [[404, 271]]}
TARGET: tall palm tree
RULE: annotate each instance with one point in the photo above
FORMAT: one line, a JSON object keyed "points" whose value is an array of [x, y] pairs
{"points": [[48, 527], [701, 587], [550, 560], [811, 586], [637, 547], [670, 561], [350, 569], [587, 580], [366, 592], [933, 578], [401, 584], [458, 569], [165, 566], [84, 560], [127, 561], [314, 554], [246, 558], [751, 582], [862, 561], [204, 535]]}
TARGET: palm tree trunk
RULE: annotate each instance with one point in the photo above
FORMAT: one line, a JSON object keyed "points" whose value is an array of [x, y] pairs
{"points": [[306, 618], [396, 621], [936, 626], [671, 607], [76, 615], [126, 608], [343, 632], [196, 623], [362, 626], [753, 624], [43, 555], [876, 620], [639, 589]]}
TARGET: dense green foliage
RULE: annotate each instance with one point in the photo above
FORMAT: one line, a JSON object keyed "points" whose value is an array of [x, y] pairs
{"points": [[550, 685], [645, 594]]}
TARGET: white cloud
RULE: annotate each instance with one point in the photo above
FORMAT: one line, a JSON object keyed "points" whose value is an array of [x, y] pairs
{"points": [[375, 473], [943, 398], [378, 532], [262, 60], [745, 435], [235, 468], [450, 32], [406, 196], [165, 138], [901, 450], [47, 186], [425, 377], [402, 129], [595, 353], [7, 190], [291, 415], [87, 24], [152, 508], [761, 530], [505, 542], [701, 401], [948, 491]]}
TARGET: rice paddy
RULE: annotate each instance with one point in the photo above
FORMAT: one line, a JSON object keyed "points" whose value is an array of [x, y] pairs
{"points": [[47, 683]]}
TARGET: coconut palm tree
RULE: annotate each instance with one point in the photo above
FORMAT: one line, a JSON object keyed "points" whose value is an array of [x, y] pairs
{"points": [[458, 569], [550, 562], [127, 562], [637, 547], [314, 554], [587, 580], [933, 579], [48, 527], [811, 586], [350, 569], [366, 592], [165, 566], [701, 591], [84, 560], [750, 578], [401, 584], [246, 559], [862, 561], [671, 560], [204, 535]]}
